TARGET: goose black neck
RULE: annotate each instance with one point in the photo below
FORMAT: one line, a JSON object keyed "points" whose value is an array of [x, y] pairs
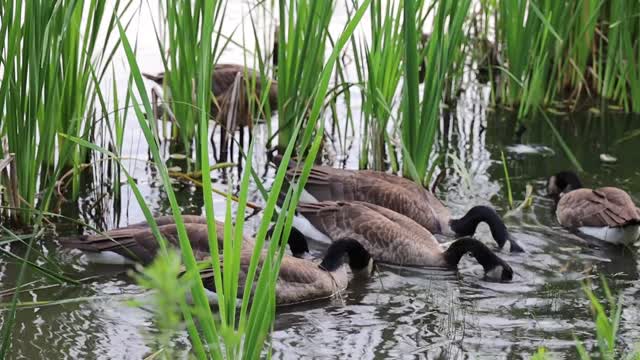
{"points": [[358, 256], [568, 180], [466, 226], [297, 242], [480, 252]]}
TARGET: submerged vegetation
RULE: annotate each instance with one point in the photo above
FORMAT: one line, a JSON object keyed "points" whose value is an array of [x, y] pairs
{"points": [[411, 65]]}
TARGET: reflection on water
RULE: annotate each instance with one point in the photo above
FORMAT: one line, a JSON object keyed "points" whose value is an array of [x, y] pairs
{"points": [[401, 313]]}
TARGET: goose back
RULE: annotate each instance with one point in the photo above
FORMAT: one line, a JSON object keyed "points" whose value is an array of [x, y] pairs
{"points": [[389, 191], [387, 235], [298, 281], [602, 207], [137, 242]]}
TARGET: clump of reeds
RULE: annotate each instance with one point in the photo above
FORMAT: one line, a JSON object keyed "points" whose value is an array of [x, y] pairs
{"points": [[379, 69], [53, 56], [421, 112], [567, 51], [302, 44]]}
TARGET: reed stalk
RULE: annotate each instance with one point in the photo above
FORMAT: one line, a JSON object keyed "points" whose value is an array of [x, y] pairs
{"points": [[421, 113], [302, 38]]}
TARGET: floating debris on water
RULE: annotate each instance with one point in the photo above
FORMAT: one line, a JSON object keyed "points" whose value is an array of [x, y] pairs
{"points": [[525, 149], [608, 158]]}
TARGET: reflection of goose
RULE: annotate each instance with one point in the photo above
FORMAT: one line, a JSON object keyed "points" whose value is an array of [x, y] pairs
{"points": [[391, 237], [228, 84], [301, 280], [606, 213], [400, 195]]}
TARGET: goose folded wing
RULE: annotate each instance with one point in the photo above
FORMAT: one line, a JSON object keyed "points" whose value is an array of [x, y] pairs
{"points": [[131, 243], [602, 207], [325, 183], [294, 272]]}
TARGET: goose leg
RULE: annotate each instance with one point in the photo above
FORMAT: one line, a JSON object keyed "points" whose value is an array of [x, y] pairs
{"points": [[223, 144]]}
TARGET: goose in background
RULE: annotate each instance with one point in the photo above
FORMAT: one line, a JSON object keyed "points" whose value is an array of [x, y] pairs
{"points": [[606, 213], [229, 87], [400, 195], [391, 237], [301, 280]]}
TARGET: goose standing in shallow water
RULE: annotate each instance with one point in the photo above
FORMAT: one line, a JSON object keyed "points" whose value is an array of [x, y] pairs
{"points": [[391, 237], [301, 280], [400, 195], [137, 244], [229, 87], [606, 213]]}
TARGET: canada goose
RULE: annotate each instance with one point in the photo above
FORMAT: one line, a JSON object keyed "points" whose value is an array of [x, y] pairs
{"points": [[302, 280], [606, 213], [400, 195], [222, 81], [137, 244], [228, 84], [391, 237]]}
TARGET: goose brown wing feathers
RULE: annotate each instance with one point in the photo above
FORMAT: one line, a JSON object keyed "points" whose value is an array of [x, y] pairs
{"points": [[388, 236], [137, 242], [299, 280], [386, 190], [608, 206]]}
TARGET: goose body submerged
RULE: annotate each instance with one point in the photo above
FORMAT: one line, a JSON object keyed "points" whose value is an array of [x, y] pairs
{"points": [[136, 243], [608, 213]]}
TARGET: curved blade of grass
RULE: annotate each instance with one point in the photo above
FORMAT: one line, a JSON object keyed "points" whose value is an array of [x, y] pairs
{"points": [[563, 144]]}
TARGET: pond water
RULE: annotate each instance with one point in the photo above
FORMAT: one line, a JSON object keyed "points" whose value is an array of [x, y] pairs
{"points": [[400, 313]]}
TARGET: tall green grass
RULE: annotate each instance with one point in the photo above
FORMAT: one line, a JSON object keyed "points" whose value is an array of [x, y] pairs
{"points": [[235, 334], [302, 38], [53, 56], [606, 319], [567, 50], [379, 69], [184, 28], [421, 113]]}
